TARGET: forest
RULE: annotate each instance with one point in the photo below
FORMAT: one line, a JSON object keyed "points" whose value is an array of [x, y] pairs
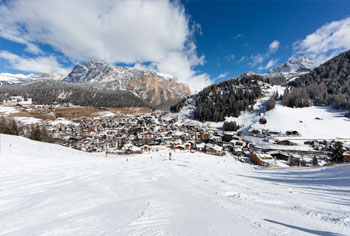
{"points": [[328, 84], [48, 92], [228, 98]]}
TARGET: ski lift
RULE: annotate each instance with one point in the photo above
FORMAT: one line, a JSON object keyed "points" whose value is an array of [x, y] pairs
{"points": [[262, 121]]}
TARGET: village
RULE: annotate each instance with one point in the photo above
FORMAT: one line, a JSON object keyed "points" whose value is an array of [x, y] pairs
{"points": [[127, 134]]}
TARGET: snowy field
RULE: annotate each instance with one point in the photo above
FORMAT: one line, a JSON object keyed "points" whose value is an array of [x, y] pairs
{"points": [[312, 122], [52, 190]]}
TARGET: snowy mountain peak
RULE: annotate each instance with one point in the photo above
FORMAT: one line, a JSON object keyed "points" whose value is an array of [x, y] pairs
{"points": [[294, 65]]}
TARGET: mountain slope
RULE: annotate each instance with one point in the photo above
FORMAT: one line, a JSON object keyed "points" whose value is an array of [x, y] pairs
{"points": [[60, 191], [290, 70], [328, 84], [226, 98], [154, 88], [52, 92]]}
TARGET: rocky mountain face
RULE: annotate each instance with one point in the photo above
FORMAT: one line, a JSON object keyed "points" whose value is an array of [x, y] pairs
{"points": [[290, 70], [152, 87]]}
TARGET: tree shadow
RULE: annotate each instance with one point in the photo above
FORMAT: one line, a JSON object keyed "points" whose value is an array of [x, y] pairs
{"points": [[310, 231]]}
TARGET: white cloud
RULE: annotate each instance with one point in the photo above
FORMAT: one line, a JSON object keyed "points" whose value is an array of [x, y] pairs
{"points": [[270, 64], [260, 58], [222, 75], [242, 59], [256, 59], [115, 31], [237, 36], [274, 46], [39, 64], [326, 42]]}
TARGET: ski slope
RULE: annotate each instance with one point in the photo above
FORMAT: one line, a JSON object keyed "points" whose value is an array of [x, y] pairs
{"points": [[311, 122], [47, 189]]}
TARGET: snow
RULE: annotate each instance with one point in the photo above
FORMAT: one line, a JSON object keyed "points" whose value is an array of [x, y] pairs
{"points": [[331, 125], [294, 65], [14, 78], [62, 121], [46, 189], [8, 110], [21, 78], [27, 120], [105, 114]]}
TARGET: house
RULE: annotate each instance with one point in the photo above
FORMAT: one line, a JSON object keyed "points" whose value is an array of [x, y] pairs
{"points": [[228, 135], [292, 133], [187, 146], [180, 147], [145, 135], [280, 155], [215, 150], [200, 147], [14, 100], [286, 143], [130, 149], [236, 143], [262, 159], [346, 156]]}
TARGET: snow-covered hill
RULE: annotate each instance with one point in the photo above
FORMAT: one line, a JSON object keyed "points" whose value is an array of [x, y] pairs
{"points": [[8, 78], [47, 189], [153, 87]]}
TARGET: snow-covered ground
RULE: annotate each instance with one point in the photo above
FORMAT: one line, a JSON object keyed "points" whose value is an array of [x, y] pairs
{"points": [[311, 122], [8, 110], [47, 189]]}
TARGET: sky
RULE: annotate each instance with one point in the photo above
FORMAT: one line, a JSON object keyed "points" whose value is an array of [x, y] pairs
{"points": [[198, 42]]}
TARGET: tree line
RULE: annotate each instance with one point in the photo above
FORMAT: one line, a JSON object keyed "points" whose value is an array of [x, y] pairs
{"points": [[328, 84], [35, 132]]}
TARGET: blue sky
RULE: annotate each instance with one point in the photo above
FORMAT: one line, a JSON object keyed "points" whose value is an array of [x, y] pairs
{"points": [[235, 29], [198, 42]]}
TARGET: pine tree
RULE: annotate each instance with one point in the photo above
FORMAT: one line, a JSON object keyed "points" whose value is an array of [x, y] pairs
{"points": [[337, 153], [315, 161]]}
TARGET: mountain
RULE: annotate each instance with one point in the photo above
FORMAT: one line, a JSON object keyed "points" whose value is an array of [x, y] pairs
{"points": [[156, 89], [328, 84], [290, 70], [294, 65], [7, 78], [227, 98], [83, 94]]}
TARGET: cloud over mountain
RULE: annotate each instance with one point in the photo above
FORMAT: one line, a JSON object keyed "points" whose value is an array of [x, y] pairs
{"points": [[326, 42], [158, 33]]}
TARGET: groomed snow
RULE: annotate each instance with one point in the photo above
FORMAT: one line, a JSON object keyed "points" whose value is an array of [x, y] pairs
{"points": [[330, 123], [47, 189]]}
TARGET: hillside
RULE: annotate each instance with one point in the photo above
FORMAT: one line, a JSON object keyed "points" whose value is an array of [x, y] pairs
{"points": [[53, 190], [152, 87], [328, 84], [56, 92], [228, 98], [8, 78]]}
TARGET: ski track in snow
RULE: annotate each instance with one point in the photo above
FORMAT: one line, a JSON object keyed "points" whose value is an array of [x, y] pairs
{"points": [[47, 189]]}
